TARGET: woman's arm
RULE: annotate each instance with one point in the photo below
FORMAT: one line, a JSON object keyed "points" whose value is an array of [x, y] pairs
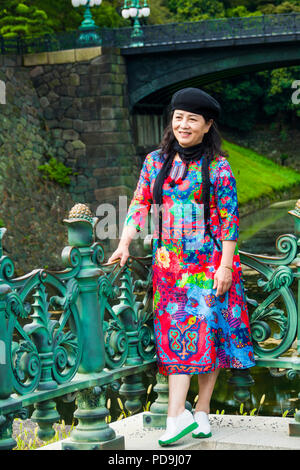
{"points": [[228, 252], [136, 215], [142, 198], [227, 204], [128, 235], [122, 252], [223, 275]]}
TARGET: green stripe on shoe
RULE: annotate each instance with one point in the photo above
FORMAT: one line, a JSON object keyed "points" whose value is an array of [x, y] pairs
{"points": [[201, 435], [183, 433]]}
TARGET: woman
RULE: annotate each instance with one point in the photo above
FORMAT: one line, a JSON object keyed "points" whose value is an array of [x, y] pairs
{"points": [[200, 313]]}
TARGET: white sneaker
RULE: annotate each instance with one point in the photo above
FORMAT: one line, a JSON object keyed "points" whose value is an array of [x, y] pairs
{"points": [[203, 429], [178, 427]]}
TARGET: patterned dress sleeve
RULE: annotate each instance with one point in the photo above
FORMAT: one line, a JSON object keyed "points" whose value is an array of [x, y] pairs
{"points": [[227, 201], [142, 198]]}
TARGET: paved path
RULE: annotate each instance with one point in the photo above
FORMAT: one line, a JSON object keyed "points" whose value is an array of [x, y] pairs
{"points": [[229, 432]]}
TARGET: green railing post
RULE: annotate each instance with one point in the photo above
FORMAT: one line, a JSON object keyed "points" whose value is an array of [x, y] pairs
{"points": [[92, 431], [81, 235], [241, 380], [157, 416], [6, 379], [7, 442], [132, 387], [45, 415]]}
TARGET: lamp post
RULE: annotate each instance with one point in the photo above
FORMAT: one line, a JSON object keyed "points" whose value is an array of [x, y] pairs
{"points": [[89, 35], [135, 11]]}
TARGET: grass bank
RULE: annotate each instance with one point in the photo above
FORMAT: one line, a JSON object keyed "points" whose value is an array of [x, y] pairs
{"points": [[260, 180]]}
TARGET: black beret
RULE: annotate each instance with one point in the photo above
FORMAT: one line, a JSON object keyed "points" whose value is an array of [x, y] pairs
{"points": [[196, 101]]}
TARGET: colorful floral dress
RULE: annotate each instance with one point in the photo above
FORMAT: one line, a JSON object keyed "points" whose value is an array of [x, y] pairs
{"points": [[195, 331]]}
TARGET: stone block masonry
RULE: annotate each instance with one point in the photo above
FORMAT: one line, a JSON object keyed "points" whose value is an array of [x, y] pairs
{"points": [[75, 108], [30, 206], [85, 109]]}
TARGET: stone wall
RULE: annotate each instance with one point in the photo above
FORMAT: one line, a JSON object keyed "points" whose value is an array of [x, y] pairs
{"points": [[32, 209], [86, 111], [76, 111]]}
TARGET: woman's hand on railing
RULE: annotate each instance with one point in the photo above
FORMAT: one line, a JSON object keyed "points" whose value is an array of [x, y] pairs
{"points": [[122, 253]]}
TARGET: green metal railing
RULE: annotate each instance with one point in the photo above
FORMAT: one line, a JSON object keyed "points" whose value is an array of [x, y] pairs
{"points": [[60, 333], [265, 28], [89, 327]]}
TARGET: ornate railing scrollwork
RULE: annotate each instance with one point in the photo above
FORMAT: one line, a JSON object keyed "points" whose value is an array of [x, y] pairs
{"points": [[274, 327], [45, 346], [128, 330], [92, 322]]}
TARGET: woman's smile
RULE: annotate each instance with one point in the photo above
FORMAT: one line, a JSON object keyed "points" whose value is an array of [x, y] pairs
{"points": [[189, 128], [184, 134]]}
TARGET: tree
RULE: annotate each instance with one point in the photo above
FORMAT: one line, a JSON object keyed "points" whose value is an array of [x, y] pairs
{"points": [[284, 7], [22, 19], [241, 97], [62, 16], [160, 12], [196, 10], [278, 97], [240, 11]]}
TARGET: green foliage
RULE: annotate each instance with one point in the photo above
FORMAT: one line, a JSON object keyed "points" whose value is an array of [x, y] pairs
{"points": [[22, 9], [258, 97], [148, 402], [28, 439], [196, 10], [240, 11], [109, 14], [64, 17], [56, 171], [43, 16], [240, 97], [283, 158], [22, 19], [278, 93], [283, 7], [160, 13], [264, 6], [255, 411]]}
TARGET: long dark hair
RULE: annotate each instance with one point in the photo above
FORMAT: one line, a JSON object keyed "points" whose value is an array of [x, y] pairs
{"points": [[212, 142]]}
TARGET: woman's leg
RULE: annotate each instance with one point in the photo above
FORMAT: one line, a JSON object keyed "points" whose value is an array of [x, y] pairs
{"points": [[206, 384], [178, 388], [180, 421]]}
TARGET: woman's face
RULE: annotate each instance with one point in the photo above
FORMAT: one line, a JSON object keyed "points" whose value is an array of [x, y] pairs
{"points": [[189, 128]]}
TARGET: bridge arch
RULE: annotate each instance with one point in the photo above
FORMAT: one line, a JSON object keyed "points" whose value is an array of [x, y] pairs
{"points": [[154, 77]]}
